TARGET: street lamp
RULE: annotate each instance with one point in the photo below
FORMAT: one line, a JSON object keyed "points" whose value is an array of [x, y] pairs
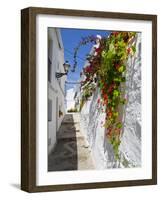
{"points": [[66, 66]]}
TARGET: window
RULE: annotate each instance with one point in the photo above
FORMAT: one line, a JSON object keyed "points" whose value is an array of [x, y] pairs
{"points": [[49, 110], [49, 70]]}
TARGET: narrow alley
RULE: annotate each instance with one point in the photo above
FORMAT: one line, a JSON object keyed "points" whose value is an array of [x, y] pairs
{"points": [[72, 151]]}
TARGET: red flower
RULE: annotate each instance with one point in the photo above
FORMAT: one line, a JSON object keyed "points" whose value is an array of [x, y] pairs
{"points": [[88, 69], [110, 89], [112, 86], [109, 114], [98, 50], [109, 132], [128, 50], [117, 65], [105, 97], [115, 33], [98, 101], [105, 86]]}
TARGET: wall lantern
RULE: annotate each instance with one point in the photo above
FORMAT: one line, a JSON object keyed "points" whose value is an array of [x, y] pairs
{"points": [[66, 66]]}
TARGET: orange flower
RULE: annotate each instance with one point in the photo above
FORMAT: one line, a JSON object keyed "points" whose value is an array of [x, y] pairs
{"points": [[128, 50], [109, 114], [109, 132], [105, 97]]}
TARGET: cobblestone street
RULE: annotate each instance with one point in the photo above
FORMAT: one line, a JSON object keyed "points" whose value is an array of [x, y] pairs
{"points": [[72, 151]]}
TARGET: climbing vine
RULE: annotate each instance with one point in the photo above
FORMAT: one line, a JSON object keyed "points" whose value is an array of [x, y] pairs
{"points": [[106, 70], [84, 41]]}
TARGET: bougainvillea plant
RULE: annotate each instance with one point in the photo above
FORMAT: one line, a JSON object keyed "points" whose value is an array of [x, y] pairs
{"points": [[106, 70]]}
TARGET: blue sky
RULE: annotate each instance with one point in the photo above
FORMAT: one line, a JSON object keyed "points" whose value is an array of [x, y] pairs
{"points": [[71, 38]]}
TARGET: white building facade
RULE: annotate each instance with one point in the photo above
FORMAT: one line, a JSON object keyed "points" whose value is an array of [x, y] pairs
{"points": [[56, 86]]}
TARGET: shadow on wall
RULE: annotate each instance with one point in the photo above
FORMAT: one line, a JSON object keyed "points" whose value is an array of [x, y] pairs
{"points": [[102, 150], [93, 116], [65, 156]]}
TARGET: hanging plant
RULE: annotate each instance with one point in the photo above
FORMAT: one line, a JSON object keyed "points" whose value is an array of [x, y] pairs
{"points": [[107, 68]]}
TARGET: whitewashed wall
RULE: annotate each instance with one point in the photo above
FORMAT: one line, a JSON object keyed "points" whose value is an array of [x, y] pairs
{"points": [[130, 147], [91, 118], [70, 102], [56, 90]]}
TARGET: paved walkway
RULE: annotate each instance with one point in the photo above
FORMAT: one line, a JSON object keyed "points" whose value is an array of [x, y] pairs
{"points": [[72, 151]]}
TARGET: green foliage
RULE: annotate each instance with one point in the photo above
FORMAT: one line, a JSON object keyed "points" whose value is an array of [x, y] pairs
{"points": [[110, 70], [133, 48], [122, 68], [115, 141], [119, 125], [82, 101], [88, 91], [116, 93], [72, 110]]}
